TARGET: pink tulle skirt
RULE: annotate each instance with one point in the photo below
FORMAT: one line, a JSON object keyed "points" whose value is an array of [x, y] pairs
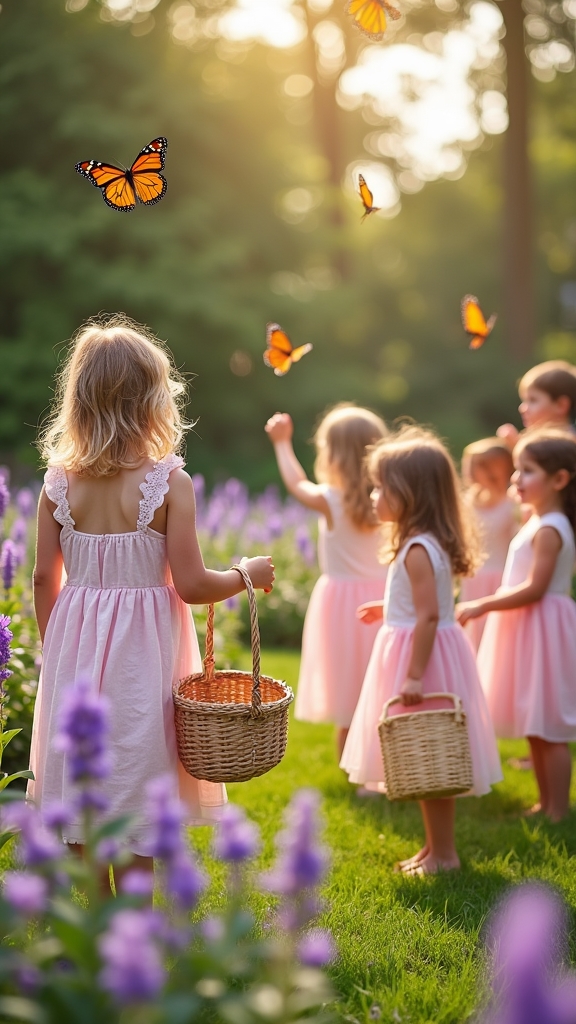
{"points": [[451, 669], [336, 649], [483, 584], [527, 664]]}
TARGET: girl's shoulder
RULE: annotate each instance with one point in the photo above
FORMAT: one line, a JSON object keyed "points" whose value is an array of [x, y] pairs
{"points": [[560, 522], [428, 541]]}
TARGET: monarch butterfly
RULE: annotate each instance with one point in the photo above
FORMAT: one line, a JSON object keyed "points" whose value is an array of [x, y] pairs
{"points": [[474, 323], [370, 16], [280, 355], [142, 182], [366, 197]]}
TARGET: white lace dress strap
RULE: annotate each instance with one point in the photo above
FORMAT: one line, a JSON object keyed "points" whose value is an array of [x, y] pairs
{"points": [[56, 487], [154, 487]]}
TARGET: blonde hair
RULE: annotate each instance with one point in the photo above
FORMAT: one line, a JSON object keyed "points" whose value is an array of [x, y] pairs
{"points": [[556, 378], [341, 441], [481, 455], [417, 472], [118, 400]]}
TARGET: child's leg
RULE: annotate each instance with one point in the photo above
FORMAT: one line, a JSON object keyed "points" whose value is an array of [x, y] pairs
{"points": [[341, 735], [557, 765], [537, 754], [439, 853]]}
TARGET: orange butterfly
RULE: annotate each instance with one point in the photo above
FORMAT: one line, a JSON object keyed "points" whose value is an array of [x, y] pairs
{"points": [[366, 197], [280, 355], [370, 16], [142, 182], [474, 323]]}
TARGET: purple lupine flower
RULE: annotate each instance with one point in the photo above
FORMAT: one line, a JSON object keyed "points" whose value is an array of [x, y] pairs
{"points": [[26, 502], [236, 838], [184, 881], [133, 970], [302, 860], [37, 845], [138, 883], [6, 635], [213, 928], [27, 977], [109, 849], [232, 603], [4, 496], [56, 816], [275, 525], [166, 813], [27, 894], [305, 545], [19, 531], [316, 948], [8, 562], [82, 735]]}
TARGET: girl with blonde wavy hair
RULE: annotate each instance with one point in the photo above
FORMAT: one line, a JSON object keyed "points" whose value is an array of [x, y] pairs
{"points": [[335, 646], [117, 514]]}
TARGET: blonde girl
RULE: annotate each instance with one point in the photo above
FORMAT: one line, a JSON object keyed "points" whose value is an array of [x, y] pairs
{"points": [[117, 514], [486, 470], [420, 648], [335, 647], [527, 658]]}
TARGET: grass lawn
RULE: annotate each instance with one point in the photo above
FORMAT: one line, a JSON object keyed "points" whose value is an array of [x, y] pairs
{"points": [[409, 946]]}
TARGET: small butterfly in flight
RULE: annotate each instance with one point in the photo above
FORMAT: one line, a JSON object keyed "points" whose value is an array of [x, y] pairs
{"points": [[474, 323], [366, 197], [122, 188], [280, 355], [370, 16]]}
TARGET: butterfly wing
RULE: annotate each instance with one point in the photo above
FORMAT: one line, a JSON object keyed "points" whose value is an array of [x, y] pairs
{"points": [[369, 16], [117, 192], [474, 322], [302, 350], [280, 355], [279, 361], [149, 184], [365, 194]]}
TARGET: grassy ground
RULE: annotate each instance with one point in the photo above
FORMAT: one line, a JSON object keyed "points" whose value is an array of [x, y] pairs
{"points": [[408, 946]]}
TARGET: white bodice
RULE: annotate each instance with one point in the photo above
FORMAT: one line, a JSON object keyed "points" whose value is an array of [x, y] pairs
{"points": [[498, 524], [345, 551], [115, 560], [398, 604], [521, 553]]}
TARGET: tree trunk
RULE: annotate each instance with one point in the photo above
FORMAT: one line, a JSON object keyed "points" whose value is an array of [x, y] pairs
{"points": [[518, 271]]}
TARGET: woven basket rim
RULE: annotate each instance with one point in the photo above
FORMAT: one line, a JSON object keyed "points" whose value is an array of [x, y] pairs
{"points": [[227, 706]]}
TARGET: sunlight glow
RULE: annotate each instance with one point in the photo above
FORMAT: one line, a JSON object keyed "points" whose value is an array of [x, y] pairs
{"points": [[275, 22]]}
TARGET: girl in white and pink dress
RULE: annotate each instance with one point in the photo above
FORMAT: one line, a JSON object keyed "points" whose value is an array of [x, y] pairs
{"points": [[420, 648], [527, 658], [335, 646], [117, 514], [486, 470]]}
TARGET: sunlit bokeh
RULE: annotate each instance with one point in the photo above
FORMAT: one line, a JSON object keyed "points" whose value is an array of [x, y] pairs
{"points": [[275, 22]]}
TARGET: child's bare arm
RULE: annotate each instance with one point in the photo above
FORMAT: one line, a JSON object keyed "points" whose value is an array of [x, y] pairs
{"points": [[425, 598], [194, 583], [371, 611], [546, 545], [280, 429], [47, 576]]}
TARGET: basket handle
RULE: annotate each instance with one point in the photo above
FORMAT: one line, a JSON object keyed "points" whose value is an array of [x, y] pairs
{"points": [[256, 708], [426, 696]]}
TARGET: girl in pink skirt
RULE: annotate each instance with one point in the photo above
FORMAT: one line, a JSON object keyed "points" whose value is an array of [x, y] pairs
{"points": [[486, 468], [420, 648], [335, 646], [527, 658]]}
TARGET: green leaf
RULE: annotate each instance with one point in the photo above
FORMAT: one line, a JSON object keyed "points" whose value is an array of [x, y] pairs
{"points": [[5, 737], [16, 775], [5, 837]]}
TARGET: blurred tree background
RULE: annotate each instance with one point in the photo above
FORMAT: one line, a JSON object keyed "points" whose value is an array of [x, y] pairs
{"points": [[260, 221]]}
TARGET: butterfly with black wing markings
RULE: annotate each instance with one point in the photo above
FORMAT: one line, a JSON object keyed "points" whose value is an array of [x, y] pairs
{"points": [[474, 322], [366, 197], [280, 354], [370, 16], [123, 188]]}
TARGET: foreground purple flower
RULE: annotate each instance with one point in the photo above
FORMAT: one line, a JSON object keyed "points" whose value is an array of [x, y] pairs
{"points": [[166, 814], [236, 838], [302, 859], [82, 735], [37, 845], [184, 881], [133, 970], [316, 948], [25, 893], [5, 652]]}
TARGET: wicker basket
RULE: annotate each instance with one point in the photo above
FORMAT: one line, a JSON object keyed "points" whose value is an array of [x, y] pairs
{"points": [[426, 754], [231, 726]]}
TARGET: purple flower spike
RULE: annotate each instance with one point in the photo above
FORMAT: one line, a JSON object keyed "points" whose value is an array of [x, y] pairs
{"points": [[27, 894], [316, 949], [8, 562], [56, 816], [138, 883], [19, 531], [5, 652], [236, 838], [305, 545], [302, 860], [4, 496], [133, 970], [166, 813], [82, 736], [37, 845], [26, 502], [185, 882]]}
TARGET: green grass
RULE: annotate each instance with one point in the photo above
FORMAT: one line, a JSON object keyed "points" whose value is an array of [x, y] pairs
{"points": [[410, 946]]}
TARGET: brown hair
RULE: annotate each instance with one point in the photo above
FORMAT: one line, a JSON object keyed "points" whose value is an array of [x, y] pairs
{"points": [[554, 450], [482, 454], [556, 377], [418, 473], [118, 400], [341, 441]]}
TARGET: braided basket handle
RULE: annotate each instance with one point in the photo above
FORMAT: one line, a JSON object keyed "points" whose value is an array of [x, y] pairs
{"points": [[256, 708], [425, 696]]}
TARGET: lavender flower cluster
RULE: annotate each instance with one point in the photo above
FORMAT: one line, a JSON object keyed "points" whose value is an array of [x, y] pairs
{"points": [[20, 510]]}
